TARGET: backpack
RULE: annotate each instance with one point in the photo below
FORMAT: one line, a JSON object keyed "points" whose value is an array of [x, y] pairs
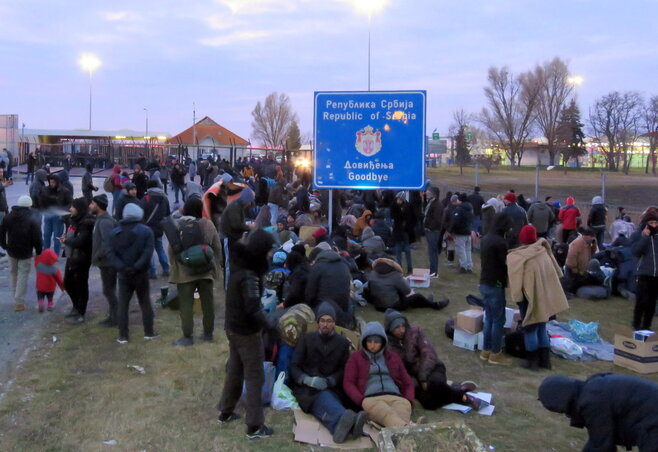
{"points": [[196, 256], [108, 184]]}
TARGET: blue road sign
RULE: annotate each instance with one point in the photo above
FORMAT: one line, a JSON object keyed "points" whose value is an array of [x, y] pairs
{"points": [[369, 140]]}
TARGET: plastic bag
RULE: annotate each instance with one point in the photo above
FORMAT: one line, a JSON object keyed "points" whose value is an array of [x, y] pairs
{"points": [[566, 348], [269, 300], [282, 398], [584, 332]]}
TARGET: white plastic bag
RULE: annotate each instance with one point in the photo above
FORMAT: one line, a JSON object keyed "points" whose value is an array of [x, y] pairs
{"points": [[566, 348], [282, 398]]}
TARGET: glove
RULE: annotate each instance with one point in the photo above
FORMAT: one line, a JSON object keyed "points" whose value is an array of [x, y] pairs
{"points": [[318, 383]]}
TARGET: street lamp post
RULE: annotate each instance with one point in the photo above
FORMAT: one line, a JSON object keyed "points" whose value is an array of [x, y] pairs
{"points": [[369, 7], [89, 62], [146, 136]]}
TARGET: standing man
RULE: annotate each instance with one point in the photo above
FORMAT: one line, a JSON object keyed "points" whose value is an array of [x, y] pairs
{"points": [[433, 223], [88, 186], [140, 180], [460, 225], [188, 279], [103, 227], [233, 226], [476, 201], [131, 248], [596, 219], [518, 218], [19, 235], [645, 248], [541, 216], [127, 197], [55, 200], [156, 208], [277, 198]]}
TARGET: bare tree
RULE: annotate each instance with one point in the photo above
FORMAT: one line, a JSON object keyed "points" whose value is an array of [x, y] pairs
{"points": [[272, 120], [511, 109], [615, 122], [555, 89], [651, 124]]}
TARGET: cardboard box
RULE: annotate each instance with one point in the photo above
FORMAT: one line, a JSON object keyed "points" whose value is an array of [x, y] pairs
{"points": [[419, 278], [470, 320], [640, 356], [509, 317], [464, 339]]}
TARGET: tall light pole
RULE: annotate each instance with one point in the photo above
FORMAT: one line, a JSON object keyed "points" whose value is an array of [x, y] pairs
{"points": [[89, 62], [146, 136], [369, 7]]}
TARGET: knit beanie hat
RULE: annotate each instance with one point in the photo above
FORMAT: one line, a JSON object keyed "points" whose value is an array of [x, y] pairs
{"points": [[133, 212], [510, 197], [25, 201], [325, 308], [528, 235], [319, 233], [193, 208], [101, 201], [571, 201]]}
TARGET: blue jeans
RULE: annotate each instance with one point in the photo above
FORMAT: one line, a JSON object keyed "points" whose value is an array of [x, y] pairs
{"points": [[162, 257], [29, 177], [177, 189], [116, 194], [433, 249], [327, 409], [494, 321], [274, 213], [477, 222], [53, 228], [401, 247], [535, 336]]}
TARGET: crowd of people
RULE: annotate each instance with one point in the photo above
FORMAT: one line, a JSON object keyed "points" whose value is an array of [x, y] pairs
{"points": [[259, 232]]}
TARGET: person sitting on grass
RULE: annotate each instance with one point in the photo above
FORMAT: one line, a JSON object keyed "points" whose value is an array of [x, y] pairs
{"points": [[376, 380], [317, 373], [424, 366]]}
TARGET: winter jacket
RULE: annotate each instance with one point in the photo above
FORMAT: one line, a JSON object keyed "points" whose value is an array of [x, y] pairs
{"points": [[131, 247], [493, 253], [476, 200], [179, 273], [580, 254], [460, 219], [645, 248], [357, 369], [123, 200], [433, 220], [621, 227], [297, 285], [518, 218], [40, 181], [303, 202], [115, 177], [386, 285], [20, 233], [318, 355], [278, 194], [233, 223], [87, 185], [79, 238], [404, 222], [597, 215], [372, 244], [55, 198], [3, 199], [535, 276], [329, 278], [419, 357], [141, 183], [100, 240], [244, 311], [48, 275], [541, 216], [178, 176], [615, 409], [568, 215], [156, 208]]}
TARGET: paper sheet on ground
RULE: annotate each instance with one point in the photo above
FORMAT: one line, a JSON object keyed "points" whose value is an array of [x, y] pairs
{"points": [[308, 430], [486, 411]]}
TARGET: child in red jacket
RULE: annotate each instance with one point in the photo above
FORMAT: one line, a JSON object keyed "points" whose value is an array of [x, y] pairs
{"points": [[48, 278]]}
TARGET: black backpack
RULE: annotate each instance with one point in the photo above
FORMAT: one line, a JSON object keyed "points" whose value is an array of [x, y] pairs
{"points": [[195, 255]]}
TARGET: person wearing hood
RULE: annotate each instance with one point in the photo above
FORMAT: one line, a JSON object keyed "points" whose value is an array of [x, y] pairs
{"points": [[140, 180], [156, 208], [245, 321], [621, 227], [459, 228], [297, 263], [541, 216], [178, 181], [489, 210], [596, 219], [493, 280], [128, 197], [49, 277], [88, 187], [117, 185], [387, 288], [427, 371], [373, 244], [518, 218], [103, 227], [376, 380], [317, 369], [40, 180], [78, 243], [55, 200], [568, 216], [404, 229], [330, 279], [534, 280], [433, 224], [645, 249], [233, 226], [193, 190], [20, 235], [616, 410], [65, 182], [361, 223]]}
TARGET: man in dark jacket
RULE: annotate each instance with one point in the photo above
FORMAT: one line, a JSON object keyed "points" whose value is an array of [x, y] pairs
{"points": [[460, 226], [404, 229], [645, 248], [244, 323], [330, 279], [130, 251], [317, 374], [277, 198], [88, 187], [19, 235], [55, 201], [233, 227], [493, 280], [518, 217], [127, 196], [39, 181], [596, 219], [103, 227], [476, 200], [615, 409], [541, 216], [433, 223], [140, 179], [156, 208], [78, 244]]}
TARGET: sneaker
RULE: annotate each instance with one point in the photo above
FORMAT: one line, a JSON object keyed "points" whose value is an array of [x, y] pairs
{"points": [[484, 355], [79, 319], [499, 359], [262, 432], [183, 342], [434, 275], [153, 335], [122, 340], [225, 418], [19, 307]]}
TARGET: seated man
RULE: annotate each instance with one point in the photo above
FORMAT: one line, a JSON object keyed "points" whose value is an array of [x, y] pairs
{"points": [[317, 372], [375, 379], [617, 410], [426, 370], [580, 253], [387, 288]]}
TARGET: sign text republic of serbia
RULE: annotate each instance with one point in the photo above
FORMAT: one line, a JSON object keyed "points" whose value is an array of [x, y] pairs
{"points": [[372, 139]]}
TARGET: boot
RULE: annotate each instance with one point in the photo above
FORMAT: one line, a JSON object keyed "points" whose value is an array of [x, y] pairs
{"points": [[545, 358], [344, 426], [531, 361]]}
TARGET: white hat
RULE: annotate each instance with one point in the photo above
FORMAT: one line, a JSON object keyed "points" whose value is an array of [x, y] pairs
{"points": [[25, 201]]}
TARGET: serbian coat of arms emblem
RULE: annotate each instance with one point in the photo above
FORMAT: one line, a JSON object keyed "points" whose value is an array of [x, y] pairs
{"points": [[368, 142]]}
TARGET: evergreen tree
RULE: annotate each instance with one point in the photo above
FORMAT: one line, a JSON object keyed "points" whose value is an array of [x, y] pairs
{"points": [[462, 149], [570, 133]]}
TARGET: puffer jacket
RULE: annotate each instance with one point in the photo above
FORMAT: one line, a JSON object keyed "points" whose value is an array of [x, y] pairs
{"points": [[48, 275], [597, 214], [386, 285], [645, 248], [329, 278]]}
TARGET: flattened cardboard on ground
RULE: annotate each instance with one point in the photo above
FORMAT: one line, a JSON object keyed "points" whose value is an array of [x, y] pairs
{"points": [[441, 436], [308, 430], [637, 355], [470, 320]]}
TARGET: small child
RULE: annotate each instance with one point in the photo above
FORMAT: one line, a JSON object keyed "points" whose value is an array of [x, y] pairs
{"points": [[48, 278]]}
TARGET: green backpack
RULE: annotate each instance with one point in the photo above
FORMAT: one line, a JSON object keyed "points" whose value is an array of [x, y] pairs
{"points": [[196, 256]]}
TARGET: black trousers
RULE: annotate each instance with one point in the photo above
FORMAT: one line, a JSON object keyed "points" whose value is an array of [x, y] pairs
{"points": [[137, 283], [76, 282], [646, 295], [109, 282], [411, 301], [438, 393]]}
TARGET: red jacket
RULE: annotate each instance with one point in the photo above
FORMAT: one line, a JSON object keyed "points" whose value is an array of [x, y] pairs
{"points": [[567, 216], [48, 276], [355, 378]]}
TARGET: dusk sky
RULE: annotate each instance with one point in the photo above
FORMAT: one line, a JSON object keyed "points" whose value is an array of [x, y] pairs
{"points": [[225, 55]]}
